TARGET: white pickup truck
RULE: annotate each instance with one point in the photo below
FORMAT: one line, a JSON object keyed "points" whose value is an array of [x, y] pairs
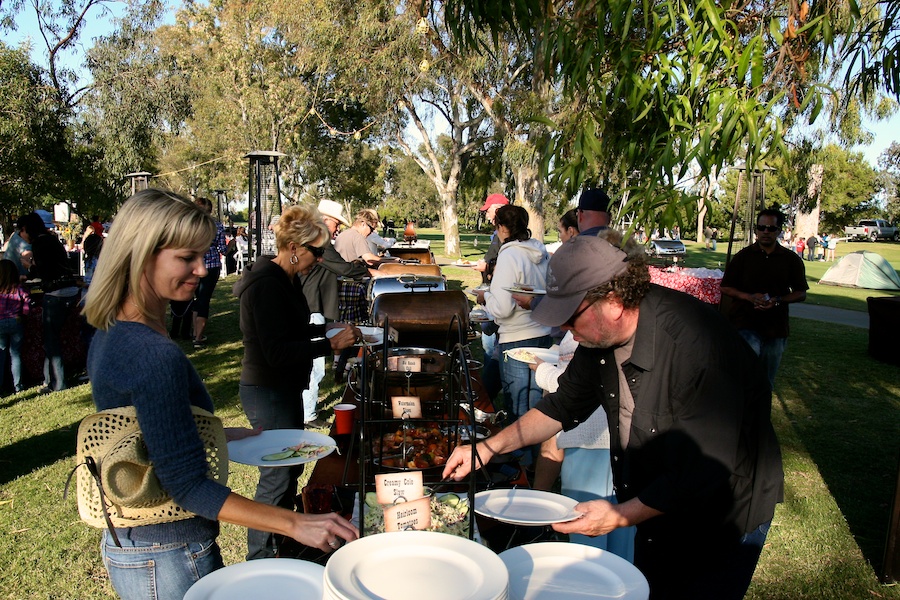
{"points": [[873, 229]]}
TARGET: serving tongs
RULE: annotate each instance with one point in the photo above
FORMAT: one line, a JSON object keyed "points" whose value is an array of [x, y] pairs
{"points": [[481, 416]]}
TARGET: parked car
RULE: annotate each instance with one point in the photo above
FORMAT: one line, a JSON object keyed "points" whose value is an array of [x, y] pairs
{"points": [[665, 247], [872, 229]]}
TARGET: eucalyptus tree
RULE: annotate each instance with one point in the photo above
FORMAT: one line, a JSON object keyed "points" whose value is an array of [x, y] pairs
{"points": [[889, 176], [401, 65], [655, 87]]}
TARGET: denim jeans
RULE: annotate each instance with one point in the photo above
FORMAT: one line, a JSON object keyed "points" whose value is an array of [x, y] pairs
{"points": [[519, 386], [56, 311], [147, 571], [490, 371], [11, 340], [272, 409], [769, 351]]}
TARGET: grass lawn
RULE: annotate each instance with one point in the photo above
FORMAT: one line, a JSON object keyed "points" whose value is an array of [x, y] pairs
{"points": [[835, 411]]}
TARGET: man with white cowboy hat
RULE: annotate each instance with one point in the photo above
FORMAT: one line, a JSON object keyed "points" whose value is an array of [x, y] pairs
{"points": [[321, 288]]}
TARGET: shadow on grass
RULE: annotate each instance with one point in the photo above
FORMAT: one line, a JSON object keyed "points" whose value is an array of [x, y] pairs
{"points": [[843, 406], [37, 451]]}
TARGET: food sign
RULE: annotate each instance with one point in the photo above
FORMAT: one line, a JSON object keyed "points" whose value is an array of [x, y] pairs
{"points": [[406, 407], [390, 487], [415, 514]]}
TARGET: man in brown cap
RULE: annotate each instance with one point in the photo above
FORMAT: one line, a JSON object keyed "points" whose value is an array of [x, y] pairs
{"points": [[696, 464]]}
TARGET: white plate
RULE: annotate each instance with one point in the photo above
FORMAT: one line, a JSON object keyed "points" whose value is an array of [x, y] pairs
{"points": [[525, 507], [565, 571], [411, 565], [518, 290], [468, 263], [371, 335], [550, 356], [249, 451], [482, 317], [267, 577]]}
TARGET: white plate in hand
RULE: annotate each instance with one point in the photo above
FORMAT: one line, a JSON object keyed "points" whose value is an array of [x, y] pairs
{"points": [[527, 355], [268, 577], [371, 335], [565, 571], [250, 450], [529, 292], [525, 507]]}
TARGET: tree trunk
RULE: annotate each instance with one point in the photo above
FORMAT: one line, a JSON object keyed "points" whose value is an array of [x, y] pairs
{"points": [[530, 196], [450, 222]]}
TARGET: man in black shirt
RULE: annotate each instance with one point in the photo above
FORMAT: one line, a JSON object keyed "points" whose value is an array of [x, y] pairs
{"points": [[696, 464]]}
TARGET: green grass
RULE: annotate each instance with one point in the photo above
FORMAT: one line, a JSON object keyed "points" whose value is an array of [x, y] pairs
{"points": [[835, 411]]}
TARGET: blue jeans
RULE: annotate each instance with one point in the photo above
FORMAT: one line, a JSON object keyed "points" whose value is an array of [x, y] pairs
{"points": [[490, 372], [587, 475], [769, 351], [11, 340], [56, 311], [147, 571], [272, 409], [519, 386]]}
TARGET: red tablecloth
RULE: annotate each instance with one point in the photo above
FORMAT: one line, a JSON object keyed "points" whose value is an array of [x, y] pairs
{"points": [[73, 347], [704, 288]]}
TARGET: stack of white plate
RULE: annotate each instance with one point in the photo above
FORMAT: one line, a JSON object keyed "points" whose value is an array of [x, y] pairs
{"points": [[264, 578], [411, 565], [563, 571]]}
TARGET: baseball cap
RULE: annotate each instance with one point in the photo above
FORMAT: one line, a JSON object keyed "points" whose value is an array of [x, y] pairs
{"points": [[593, 199], [494, 199], [333, 209], [579, 265], [46, 217]]}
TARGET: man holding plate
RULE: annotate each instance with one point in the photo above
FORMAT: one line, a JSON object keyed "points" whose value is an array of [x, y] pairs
{"points": [[696, 464]]}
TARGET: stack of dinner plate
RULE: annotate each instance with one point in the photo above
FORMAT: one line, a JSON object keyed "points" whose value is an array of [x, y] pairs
{"points": [[565, 571], [264, 578], [411, 565]]}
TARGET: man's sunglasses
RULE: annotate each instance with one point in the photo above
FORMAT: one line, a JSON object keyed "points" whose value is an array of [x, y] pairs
{"points": [[315, 250], [769, 228], [573, 318]]}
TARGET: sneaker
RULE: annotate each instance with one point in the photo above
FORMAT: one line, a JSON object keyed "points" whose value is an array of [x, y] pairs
{"points": [[46, 390], [198, 344]]}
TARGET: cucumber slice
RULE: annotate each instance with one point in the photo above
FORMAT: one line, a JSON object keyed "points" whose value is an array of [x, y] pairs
{"points": [[372, 500], [450, 499], [279, 455]]}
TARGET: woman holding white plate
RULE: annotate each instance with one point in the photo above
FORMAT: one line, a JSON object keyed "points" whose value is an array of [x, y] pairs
{"points": [[154, 254], [279, 347], [522, 260]]}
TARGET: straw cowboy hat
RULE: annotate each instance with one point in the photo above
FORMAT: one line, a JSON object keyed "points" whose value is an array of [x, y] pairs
{"points": [[333, 209]]}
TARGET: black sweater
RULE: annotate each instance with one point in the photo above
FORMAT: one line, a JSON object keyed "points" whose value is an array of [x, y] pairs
{"points": [[278, 339]]}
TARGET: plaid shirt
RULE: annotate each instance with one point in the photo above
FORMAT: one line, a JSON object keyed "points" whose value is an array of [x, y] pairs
{"points": [[213, 256], [14, 304]]}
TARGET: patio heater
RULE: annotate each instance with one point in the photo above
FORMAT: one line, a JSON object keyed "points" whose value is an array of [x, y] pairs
{"points": [[264, 202], [745, 213], [220, 206], [140, 180]]}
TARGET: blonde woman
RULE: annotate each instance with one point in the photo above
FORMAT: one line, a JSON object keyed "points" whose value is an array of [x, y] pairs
{"points": [[279, 347], [154, 254]]}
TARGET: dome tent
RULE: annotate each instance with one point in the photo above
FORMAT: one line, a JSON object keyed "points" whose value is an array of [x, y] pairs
{"points": [[862, 270]]}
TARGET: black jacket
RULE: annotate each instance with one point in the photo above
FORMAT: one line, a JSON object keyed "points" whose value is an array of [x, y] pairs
{"points": [[321, 286], [279, 344]]}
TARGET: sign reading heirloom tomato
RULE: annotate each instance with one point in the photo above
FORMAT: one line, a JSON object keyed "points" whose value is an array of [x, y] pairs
{"points": [[415, 514]]}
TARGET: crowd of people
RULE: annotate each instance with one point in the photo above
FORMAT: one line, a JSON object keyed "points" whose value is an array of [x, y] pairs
{"points": [[655, 418]]}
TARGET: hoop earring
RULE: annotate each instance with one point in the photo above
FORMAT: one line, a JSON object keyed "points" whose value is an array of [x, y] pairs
{"points": [[294, 259]]}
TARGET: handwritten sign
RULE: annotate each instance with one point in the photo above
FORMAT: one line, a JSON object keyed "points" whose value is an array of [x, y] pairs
{"points": [[391, 487], [415, 514], [406, 407]]}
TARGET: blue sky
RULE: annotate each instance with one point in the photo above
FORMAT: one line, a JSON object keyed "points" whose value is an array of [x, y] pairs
{"points": [[885, 132]]}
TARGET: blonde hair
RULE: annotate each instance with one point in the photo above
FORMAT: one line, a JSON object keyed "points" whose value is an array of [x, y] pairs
{"points": [[367, 216], [300, 224], [150, 221]]}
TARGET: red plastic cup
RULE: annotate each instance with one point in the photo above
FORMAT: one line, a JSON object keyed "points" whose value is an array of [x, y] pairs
{"points": [[343, 418]]}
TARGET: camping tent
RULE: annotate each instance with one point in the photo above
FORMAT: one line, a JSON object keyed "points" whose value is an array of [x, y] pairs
{"points": [[863, 270]]}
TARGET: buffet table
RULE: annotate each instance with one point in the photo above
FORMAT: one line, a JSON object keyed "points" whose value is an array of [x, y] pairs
{"points": [[703, 284], [74, 348]]}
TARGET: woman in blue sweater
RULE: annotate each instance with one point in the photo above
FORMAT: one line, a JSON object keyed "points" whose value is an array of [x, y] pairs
{"points": [[154, 254]]}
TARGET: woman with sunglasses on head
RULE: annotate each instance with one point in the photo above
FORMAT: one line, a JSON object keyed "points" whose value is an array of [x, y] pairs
{"points": [[279, 347], [154, 254]]}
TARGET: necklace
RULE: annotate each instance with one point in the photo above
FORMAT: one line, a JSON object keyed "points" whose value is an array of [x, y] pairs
{"points": [[158, 324]]}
